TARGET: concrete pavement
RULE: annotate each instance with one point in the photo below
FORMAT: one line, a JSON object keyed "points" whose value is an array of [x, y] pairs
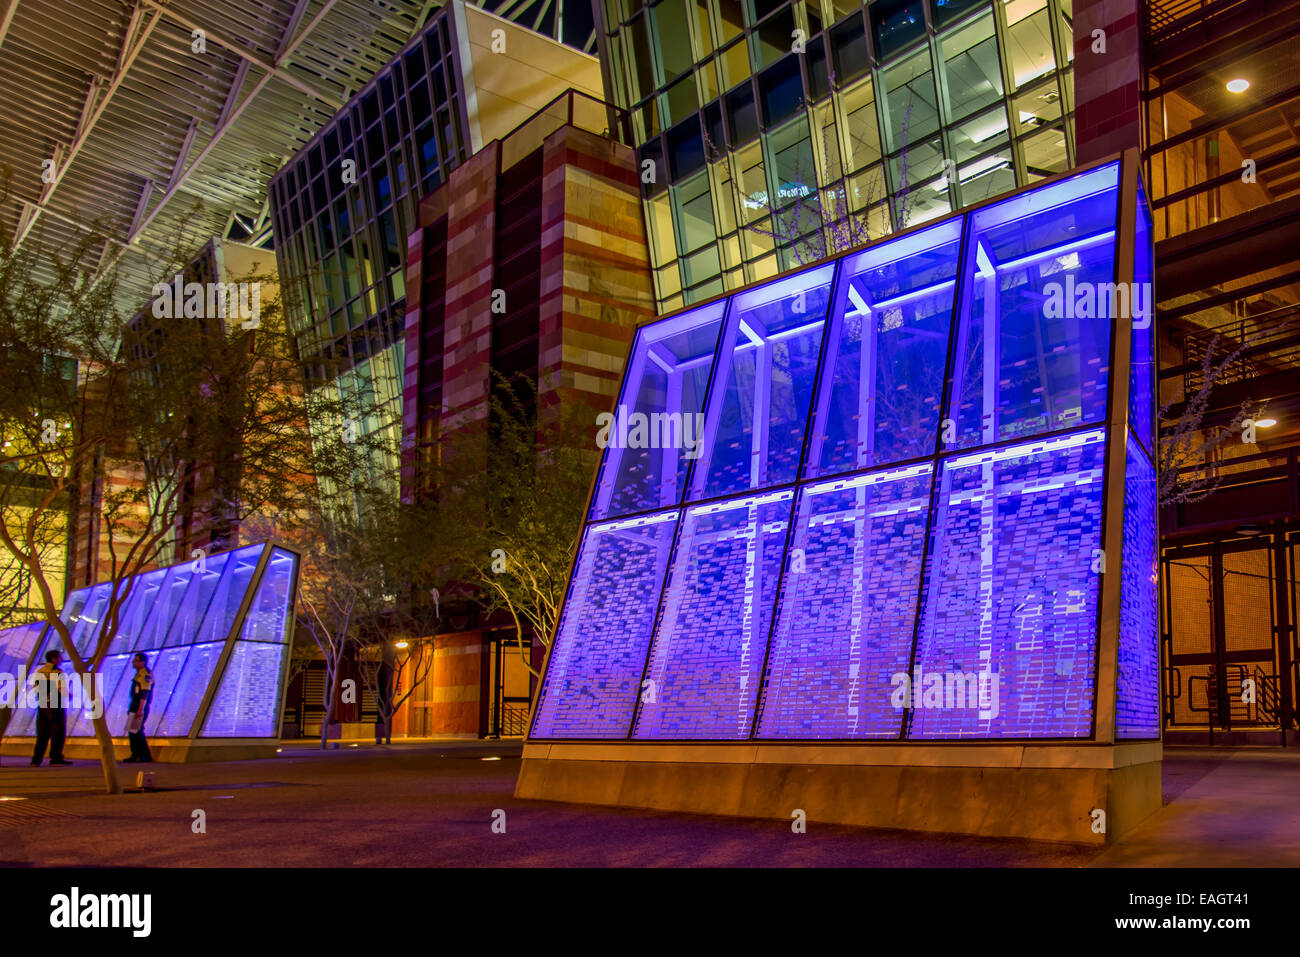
{"points": [[435, 804]]}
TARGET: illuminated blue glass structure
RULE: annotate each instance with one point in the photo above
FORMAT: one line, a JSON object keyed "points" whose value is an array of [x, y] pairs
{"points": [[928, 457], [216, 632]]}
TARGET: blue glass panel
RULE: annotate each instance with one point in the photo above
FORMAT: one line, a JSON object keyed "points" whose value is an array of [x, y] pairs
{"points": [[1141, 402], [177, 614], [248, 699], [187, 694], [72, 607], [216, 575], [657, 423], [23, 719], [1137, 704], [758, 406], [1034, 319], [269, 615], [229, 595], [140, 606], [109, 675], [848, 607], [885, 359], [157, 628], [88, 622], [166, 666], [595, 666], [1010, 597], [119, 697], [16, 646], [708, 649]]}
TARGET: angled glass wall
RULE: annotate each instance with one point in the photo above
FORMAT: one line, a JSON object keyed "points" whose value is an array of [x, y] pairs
{"points": [[890, 530], [216, 633]]}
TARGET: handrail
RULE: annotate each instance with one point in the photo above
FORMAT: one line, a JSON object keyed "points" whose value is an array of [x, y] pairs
{"points": [[614, 124], [1167, 18]]}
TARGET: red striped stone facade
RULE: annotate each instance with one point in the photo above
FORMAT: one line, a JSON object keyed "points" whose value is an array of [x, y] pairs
{"points": [[560, 234], [1107, 86], [593, 290]]}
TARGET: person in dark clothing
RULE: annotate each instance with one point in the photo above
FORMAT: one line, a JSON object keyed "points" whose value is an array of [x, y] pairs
{"points": [[138, 709], [51, 714]]}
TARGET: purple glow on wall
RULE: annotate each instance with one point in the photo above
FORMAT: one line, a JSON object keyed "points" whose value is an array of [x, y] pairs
{"points": [[663, 397], [707, 654], [183, 618], [847, 608], [758, 408], [1019, 368], [886, 353], [1011, 589], [595, 667], [1137, 692]]}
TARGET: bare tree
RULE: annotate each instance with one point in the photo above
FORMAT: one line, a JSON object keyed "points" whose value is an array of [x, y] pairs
{"points": [[165, 403], [1186, 472], [327, 604], [513, 525], [817, 223]]}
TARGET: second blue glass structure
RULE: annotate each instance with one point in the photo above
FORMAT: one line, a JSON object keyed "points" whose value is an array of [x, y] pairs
{"points": [[216, 633], [885, 512]]}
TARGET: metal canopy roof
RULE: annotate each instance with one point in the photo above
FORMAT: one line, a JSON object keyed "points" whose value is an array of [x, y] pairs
{"points": [[133, 128]]}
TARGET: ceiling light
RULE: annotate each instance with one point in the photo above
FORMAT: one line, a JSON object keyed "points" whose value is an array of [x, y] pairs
{"points": [[1265, 423], [1238, 86], [401, 644]]}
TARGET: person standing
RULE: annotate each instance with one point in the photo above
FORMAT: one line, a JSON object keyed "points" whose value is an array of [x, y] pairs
{"points": [[138, 710], [51, 715]]}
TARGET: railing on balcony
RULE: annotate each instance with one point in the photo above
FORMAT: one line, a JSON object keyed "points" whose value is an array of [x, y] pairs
{"points": [[570, 108], [1166, 18], [1250, 488], [1263, 342]]}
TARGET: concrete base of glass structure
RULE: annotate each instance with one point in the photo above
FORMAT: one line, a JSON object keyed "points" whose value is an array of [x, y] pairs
{"points": [[1041, 792], [164, 750]]}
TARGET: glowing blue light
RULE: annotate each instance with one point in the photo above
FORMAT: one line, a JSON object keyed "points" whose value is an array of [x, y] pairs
{"points": [[181, 617], [865, 509]]}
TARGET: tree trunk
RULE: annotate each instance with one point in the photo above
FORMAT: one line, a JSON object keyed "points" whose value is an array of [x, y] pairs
{"points": [[107, 756], [331, 682]]}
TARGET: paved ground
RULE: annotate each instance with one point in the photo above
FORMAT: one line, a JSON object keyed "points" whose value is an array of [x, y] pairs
{"points": [[431, 805]]}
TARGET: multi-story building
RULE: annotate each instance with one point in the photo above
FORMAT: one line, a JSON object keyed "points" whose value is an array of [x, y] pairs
{"points": [[344, 204], [549, 218], [775, 132]]}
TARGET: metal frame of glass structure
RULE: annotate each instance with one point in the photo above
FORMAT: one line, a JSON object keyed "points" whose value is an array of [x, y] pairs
{"points": [[876, 493], [217, 634], [880, 96]]}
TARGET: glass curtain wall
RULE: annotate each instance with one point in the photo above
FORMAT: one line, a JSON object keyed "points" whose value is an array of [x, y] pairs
{"points": [[343, 207], [773, 133]]}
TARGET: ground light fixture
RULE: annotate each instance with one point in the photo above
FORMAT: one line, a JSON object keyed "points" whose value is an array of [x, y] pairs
{"points": [[1238, 85]]}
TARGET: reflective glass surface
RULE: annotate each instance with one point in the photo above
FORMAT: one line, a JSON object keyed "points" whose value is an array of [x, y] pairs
{"points": [[891, 531], [182, 618]]}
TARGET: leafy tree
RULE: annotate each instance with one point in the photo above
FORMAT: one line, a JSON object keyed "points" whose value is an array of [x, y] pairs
{"points": [[514, 522]]}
